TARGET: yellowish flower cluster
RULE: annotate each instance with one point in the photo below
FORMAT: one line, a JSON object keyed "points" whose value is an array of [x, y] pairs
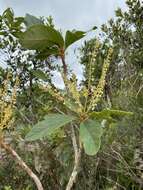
{"points": [[98, 91], [93, 61], [73, 97], [73, 91], [84, 92], [72, 100], [7, 102], [53, 92]]}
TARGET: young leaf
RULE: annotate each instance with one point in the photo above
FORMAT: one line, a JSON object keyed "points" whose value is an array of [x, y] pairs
{"points": [[72, 37], [39, 74], [48, 126], [30, 20], [90, 135], [109, 114]]}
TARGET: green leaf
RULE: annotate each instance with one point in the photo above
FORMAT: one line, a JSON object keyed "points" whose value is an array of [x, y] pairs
{"points": [[39, 37], [109, 114], [119, 13], [72, 37], [19, 20], [36, 37], [30, 20], [90, 135], [48, 126], [55, 37], [42, 55], [94, 27], [119, 113], [40, 74], [9, 15]]}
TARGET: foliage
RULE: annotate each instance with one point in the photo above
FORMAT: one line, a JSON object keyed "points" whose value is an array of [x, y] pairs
{"points": [[54, 122], [62, 122], [90, 135]]}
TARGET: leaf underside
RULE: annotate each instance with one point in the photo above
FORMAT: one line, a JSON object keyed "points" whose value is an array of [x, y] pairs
{"points": [[48, 126]]}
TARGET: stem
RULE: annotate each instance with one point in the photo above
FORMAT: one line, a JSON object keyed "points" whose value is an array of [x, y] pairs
{"points": [[65, 72], [64, 65], [77, 152], [88, 85], [22, 164]]}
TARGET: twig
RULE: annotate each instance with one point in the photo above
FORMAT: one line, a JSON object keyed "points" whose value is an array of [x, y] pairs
{"points": [[22, 164], [23, 116], [131, 172], [77, 154], [141, 87], [112, 181]]}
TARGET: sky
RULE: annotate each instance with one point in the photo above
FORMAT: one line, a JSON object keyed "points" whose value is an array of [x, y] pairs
{"points": [[68, 14]]}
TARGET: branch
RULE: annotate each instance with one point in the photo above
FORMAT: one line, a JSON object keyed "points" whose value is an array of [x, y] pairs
{"points": [[77, 154], [22, 164]]}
